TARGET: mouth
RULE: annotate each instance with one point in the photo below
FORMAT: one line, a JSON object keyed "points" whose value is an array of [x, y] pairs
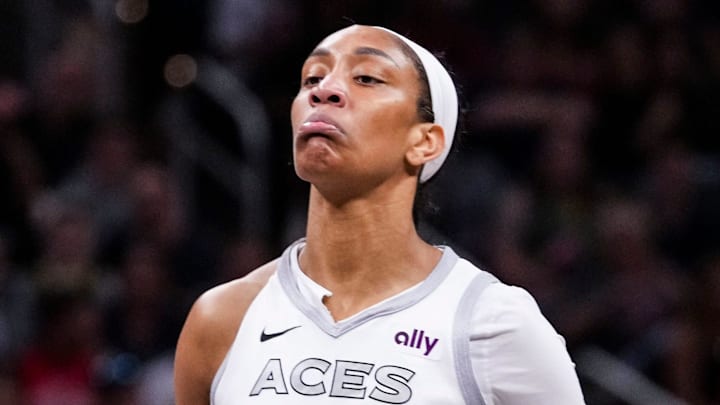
{"points": [[318, 125]]}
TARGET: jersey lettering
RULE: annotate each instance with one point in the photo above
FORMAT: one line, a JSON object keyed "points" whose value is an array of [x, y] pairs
{"points": [[270, 378], [349, 379], [298, 380], [393, 385]]}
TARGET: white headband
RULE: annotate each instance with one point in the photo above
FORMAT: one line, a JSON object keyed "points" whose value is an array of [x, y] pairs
{"points": [[444, 101]]}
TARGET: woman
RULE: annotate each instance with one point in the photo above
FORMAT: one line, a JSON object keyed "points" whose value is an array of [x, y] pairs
{"points": [[363, 308]]}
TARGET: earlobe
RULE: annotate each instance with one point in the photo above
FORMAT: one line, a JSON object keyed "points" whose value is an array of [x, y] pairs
{"points": [[427, 143]]}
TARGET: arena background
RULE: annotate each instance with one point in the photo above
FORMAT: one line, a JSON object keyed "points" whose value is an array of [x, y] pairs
{"points": [[145, 156]]}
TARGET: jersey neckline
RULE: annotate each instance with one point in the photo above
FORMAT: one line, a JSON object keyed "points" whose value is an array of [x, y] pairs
{"points": [[321, 316]]}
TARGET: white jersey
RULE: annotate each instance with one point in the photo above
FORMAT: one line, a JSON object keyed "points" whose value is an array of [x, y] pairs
{"points": [[418, 347]]}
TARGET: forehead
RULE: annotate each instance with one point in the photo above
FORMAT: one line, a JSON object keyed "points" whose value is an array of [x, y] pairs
{"points": [[349, 39]]}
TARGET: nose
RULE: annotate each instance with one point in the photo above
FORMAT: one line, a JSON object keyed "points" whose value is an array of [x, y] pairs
{"points": [[327, 95]]}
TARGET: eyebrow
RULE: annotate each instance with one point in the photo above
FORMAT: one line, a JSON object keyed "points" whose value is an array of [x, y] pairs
{"points": [[366, 50], [363, 50]]}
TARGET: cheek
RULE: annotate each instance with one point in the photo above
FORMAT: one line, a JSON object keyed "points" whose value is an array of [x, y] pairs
{"points": [[392, 122], [296, 111], [386, 135]]}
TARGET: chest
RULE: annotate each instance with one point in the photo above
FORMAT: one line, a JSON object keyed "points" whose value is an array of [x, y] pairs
{"points": [[281, 355]]}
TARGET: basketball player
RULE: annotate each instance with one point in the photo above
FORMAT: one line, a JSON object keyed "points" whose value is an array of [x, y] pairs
{"points": [[362, 309]]}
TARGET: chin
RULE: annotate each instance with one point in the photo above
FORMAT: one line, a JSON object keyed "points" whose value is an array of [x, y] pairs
{"points": [[316, 163], [330, 182], [312, 172]]}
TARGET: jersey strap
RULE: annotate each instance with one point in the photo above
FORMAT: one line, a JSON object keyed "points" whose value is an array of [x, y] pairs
{"points": [[461, 337]]}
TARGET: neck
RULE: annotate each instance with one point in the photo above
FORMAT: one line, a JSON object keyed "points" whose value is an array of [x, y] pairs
{"points": [[365, 249]]}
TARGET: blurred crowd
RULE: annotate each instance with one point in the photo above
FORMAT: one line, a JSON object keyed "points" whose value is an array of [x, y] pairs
{"points": [[587, 171]]}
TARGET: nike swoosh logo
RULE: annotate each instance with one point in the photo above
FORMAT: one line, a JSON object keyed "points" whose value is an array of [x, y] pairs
{"points": [[267, 336]]}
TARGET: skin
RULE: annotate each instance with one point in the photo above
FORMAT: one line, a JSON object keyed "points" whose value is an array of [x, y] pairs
{"points": [[358, 141]]}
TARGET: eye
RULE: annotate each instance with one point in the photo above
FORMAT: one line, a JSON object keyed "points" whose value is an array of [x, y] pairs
{"points": [[365, 79], [311, 80]]}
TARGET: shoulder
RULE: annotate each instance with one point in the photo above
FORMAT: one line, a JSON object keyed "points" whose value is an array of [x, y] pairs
{"points": [[511, 311], [224, 306], [501, 301], [209, 331], [513, 341], [496, 300]]}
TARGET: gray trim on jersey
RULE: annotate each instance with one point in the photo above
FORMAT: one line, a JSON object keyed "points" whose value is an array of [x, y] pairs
{"points": [[462, 329], [218, 377], [323, 319]]}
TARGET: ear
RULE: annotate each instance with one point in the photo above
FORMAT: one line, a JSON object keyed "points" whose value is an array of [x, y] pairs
{"points": [[427, 142]]}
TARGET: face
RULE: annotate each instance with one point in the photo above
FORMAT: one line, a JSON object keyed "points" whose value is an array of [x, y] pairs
{"points": [[355, 114]]}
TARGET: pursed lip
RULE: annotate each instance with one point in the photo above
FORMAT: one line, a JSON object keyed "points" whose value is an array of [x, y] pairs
{"points": [[319, 124]]}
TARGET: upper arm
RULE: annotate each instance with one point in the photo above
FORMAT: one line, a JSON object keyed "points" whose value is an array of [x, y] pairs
{"points": [[518, 357], [195, 358], [208, 333]]}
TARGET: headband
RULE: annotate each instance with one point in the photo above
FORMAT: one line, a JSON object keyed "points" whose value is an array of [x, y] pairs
{"points": [[444, 101]]}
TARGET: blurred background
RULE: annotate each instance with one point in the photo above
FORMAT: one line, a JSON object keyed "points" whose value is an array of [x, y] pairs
{"points": [[145, 156]]}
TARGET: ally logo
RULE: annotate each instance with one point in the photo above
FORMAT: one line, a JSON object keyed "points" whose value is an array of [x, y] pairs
{"points": [[416, 339]]}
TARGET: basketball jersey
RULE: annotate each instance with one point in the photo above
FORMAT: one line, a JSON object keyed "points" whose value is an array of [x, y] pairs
{"points": [[411, 348]]}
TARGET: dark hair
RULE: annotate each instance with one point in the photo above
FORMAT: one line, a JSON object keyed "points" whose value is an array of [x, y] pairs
{"points": [[423, 203]]}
